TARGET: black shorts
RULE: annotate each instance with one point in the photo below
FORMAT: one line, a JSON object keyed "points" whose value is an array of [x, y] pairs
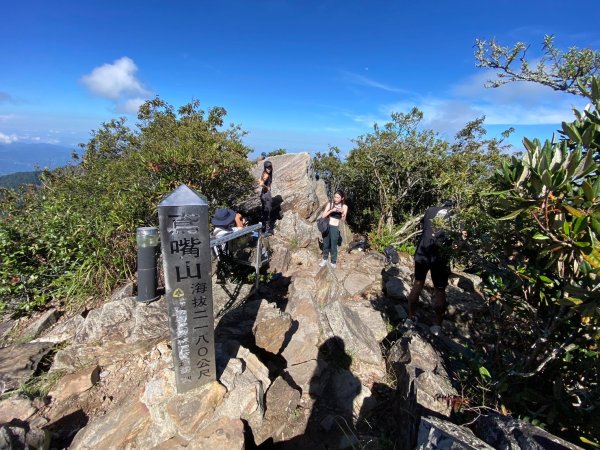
{"points": [[439, 273]]}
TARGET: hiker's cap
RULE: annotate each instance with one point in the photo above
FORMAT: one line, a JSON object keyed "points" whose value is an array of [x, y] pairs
{"points": [[268, 164], [223, 217]]}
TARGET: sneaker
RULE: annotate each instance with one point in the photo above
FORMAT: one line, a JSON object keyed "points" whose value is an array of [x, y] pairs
{"points": [[323, 263], [436, 330], [333, 265]]}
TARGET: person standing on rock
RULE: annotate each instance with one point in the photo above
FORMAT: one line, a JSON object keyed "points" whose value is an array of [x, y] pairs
{"points": [[337, 212], [433, 255], [264, 182]]}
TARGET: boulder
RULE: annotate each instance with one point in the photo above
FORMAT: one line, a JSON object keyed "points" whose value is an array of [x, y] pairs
{"points": [[19, 362], [298, 232], [64, 330], [75, 383], [271, 327], [17, 436], [413, 357], [41, 324], [122, 425], [295, 183], [281, 402], [20, 408], [508, 433], [435, 433], [125, 320], [359, 341]]}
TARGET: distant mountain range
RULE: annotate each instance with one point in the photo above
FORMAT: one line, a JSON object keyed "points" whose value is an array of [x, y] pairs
{"points": [[20, 157], [14, 180]]}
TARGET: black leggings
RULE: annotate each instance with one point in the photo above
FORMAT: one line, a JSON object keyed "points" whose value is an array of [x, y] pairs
{"points": [[266, 205]]}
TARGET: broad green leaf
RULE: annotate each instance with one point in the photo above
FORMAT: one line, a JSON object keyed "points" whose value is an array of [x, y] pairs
{"points": [[540, 237], [596, 226], [513, 214], [484, 373], [547, 179], [593, 117], [582, 244], [587, 135], [588, 190], [596, 187], [579, 223], [545, 279], [573, 211], [571, 132], [585, 166]]}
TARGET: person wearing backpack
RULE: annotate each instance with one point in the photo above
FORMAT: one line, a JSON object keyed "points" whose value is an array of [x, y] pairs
{"points": [[433, 255], [337, 212]]}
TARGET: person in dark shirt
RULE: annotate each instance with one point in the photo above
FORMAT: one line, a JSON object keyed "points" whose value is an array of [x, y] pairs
{"points": [[266, 200], [433, 255]]}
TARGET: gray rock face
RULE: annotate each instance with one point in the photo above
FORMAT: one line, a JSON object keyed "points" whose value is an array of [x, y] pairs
{"points": [[282, 401], [42, 323], [295, 182], [19, 408], [358, 339], [75, 383], [125, 320], [438, 434], [19, 362], [63, 331], [114, 331], [18, 436], [507, 433], [299, 232], [270, 327], [413, 357]]}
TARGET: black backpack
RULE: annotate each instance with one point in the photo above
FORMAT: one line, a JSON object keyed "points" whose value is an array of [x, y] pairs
{"points": [[391, 255]]}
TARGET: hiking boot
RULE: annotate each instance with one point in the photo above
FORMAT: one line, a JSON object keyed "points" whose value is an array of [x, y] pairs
{"points": [[323, 263], [333, 265]]}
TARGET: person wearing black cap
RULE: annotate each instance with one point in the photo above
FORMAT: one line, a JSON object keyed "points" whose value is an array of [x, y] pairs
{"points": [[264, 182], [433, 255]]}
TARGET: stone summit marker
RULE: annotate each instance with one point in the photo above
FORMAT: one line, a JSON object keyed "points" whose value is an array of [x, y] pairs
{"points": [[183, 218]]}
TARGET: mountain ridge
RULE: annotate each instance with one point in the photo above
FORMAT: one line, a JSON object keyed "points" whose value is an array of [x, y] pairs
{"points": [[25, 157]]}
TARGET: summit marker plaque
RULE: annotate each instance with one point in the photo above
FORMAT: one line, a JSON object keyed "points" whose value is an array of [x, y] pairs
{"points": [[183, 218]]}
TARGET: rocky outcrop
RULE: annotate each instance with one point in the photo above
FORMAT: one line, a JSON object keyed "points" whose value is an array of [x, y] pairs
{"points": [[413, 357], [294, 187], [442, 435], [19, 362], [507, 433], [314, 360]]}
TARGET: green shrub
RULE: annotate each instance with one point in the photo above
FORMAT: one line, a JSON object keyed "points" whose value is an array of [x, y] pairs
{"points": [[75, 236]]}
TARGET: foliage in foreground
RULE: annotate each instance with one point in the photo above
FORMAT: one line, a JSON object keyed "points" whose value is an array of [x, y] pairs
{"points": [[75, 236], [548, 298], [397, 171]]}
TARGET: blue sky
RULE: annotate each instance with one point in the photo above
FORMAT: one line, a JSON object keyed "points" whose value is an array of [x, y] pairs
{"points": [[300, 75]]}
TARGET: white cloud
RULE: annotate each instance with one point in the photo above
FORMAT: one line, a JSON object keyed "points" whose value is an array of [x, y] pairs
{"points": [[8, 138], [130, 106], [361, 80], [518, 103], [115, 80]]}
